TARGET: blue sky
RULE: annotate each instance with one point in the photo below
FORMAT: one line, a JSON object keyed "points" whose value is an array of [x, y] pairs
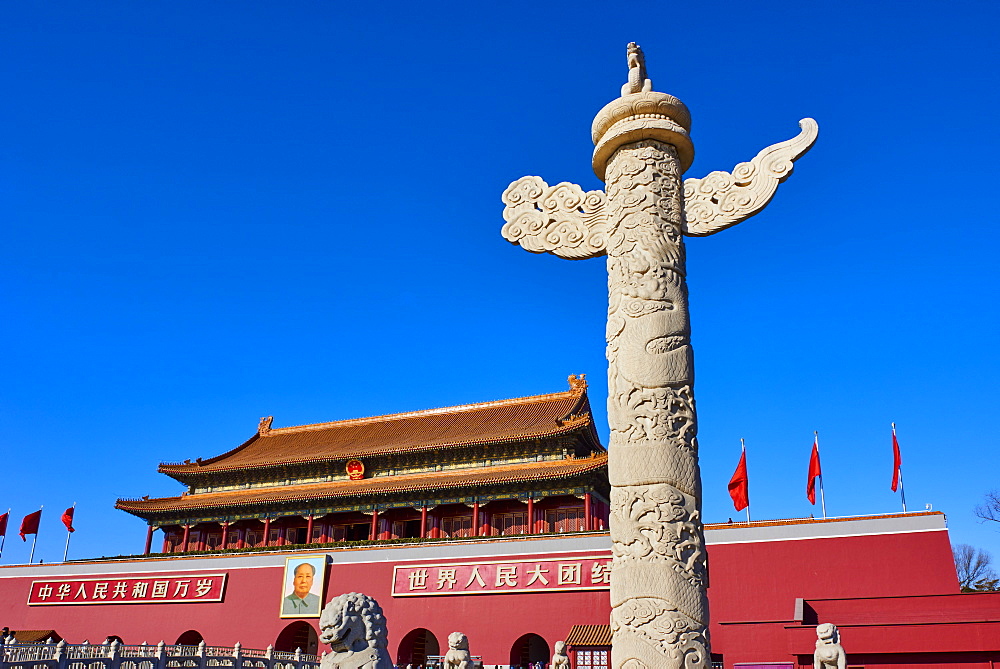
{"points": [[219, 211]]}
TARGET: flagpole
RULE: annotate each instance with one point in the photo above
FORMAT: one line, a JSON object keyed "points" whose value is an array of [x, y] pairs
{"points": [[68, 535], [822, 495], [902, 493], [34, 539], [744, 447]]}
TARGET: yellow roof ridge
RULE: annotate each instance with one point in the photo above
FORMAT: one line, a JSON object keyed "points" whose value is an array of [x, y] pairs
{"points": [[461, 408]]}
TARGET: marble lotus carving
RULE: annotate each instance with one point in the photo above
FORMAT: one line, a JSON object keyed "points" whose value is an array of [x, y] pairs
{"points": [[659, 616], [458, 655], [354, 627], [829, 653]]}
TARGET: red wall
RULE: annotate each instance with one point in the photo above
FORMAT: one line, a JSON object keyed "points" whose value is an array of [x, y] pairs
{"points": [[760, 581], [757, 583]]}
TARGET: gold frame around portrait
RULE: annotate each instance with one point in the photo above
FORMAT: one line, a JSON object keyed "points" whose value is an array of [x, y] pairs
{"points": [[319, 583]]}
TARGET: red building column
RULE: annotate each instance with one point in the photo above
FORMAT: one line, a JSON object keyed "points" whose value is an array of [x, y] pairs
{"points": [[373, 534], [435, 526], [486, 519], [531, 515], [587, 508], [267, 531], [187, 536], [149, 540], [309, 530], [240, 538], [423, 522], [225, 534], [475, 519]]}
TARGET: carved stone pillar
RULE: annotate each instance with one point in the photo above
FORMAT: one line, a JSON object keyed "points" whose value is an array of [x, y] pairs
{"points": [[659, 574], [659, 617]]}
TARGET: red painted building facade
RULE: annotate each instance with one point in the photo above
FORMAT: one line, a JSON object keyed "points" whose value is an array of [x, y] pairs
{"points": [[887, 581]]}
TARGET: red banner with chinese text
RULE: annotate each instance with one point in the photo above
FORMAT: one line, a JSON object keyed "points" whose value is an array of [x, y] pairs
{"points": [[519, 576], [150, 589]]}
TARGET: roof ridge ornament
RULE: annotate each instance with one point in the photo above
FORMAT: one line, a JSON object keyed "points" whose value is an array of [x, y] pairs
{"points": [[264, 427], [637, 81], [577, 382]]}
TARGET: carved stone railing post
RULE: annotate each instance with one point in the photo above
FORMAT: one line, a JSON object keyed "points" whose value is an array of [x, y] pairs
{"points": [[237, 655], [201, 654], [659, 616], [61, 655], [161, 655], [269, 656], [114, 655]]}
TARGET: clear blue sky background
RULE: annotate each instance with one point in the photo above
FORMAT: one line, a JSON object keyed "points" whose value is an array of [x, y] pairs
{"points": [[214, 212]]}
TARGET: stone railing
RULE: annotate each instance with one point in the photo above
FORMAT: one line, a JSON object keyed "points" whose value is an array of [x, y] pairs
{"points": [[118, 656]]}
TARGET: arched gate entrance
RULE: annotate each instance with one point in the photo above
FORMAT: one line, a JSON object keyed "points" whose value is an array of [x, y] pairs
{"points": [[415, 647]]}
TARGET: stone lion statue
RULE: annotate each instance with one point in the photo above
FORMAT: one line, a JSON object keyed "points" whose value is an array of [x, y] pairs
{"points": [[354, 627], [458, 655], [559, 658], [829, 653]]}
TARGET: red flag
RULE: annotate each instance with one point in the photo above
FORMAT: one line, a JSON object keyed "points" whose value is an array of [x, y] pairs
{"points": [[67, 518], [814, 471], [3, 524], [897, 461], [739, 485], [29, 525]]}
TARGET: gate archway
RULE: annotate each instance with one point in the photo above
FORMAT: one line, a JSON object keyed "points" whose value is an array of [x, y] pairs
{"points": [[298, 634], [528, 649], [190, 638], [416, 646]]}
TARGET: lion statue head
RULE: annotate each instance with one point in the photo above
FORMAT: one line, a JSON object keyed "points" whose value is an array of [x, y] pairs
{"points": [[354, 627], [828, 633], [458, 641]]}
